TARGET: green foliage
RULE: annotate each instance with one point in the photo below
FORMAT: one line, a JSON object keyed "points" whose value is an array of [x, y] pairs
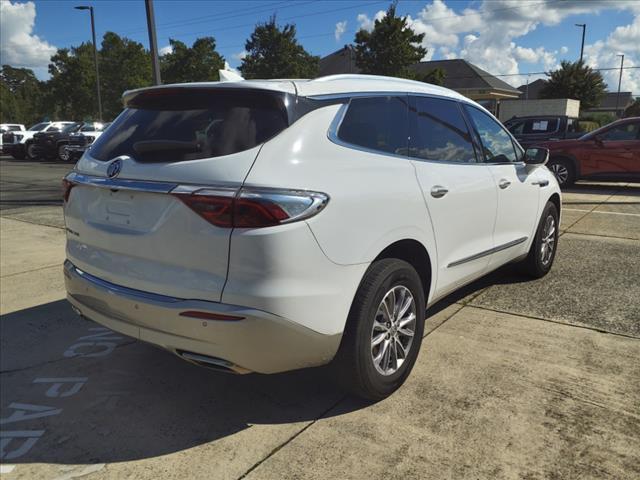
{"points": [[200, 63], [71, 90], [575, 80], [435, 77], [633, 110], [601, 118], [124, 65], [274, 52], [390, 48], [20, 96]]}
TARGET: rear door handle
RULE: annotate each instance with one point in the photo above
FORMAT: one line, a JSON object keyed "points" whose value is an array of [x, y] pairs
{"points": [[504, 183], [438, 191]]}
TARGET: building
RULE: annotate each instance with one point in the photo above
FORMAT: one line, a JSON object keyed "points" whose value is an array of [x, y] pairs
{"points": [[531, 91], [460, 75], [608, 103]]}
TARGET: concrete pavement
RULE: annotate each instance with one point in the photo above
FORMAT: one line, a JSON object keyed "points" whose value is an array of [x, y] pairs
{"points": [[516, 378]]}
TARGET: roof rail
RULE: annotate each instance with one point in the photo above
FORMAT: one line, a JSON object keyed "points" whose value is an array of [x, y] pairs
{"points": [[360, 76]]}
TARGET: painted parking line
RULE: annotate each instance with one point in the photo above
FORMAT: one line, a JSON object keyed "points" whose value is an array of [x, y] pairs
{"points": [[598, 211]]}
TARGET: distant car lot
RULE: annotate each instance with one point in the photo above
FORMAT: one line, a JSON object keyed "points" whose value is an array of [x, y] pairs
{"points": [[517, 378]]}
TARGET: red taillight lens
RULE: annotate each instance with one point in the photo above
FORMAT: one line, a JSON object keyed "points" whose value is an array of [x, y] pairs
{"points": [[66, 189], [217, 210], [253, 208]]}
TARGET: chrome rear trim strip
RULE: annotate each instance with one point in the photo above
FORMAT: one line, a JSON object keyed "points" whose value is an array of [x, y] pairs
{"points": [[120, 183], [493, 250], [70, 268]]}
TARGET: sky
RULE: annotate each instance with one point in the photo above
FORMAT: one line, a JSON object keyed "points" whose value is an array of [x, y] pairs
{"points": [[515, 38]]}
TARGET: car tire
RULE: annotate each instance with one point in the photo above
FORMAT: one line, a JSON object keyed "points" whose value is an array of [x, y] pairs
{"points": [[368, 369], [563, 170], [63, 154], [30, 151], [545, 244]]}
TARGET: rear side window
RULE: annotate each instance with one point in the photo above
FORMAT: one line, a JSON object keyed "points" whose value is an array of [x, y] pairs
{"points": [[496, 142], [627, 131], [377, 123], [170, 125], [439, 132]]}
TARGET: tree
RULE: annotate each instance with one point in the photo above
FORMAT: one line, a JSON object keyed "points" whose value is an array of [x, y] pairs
{"points": [[20, 96], [435, 77], [200, 63], [71, 90], [390, 48], [575, 80], [633, 110], [274, 52], [124, 65]]}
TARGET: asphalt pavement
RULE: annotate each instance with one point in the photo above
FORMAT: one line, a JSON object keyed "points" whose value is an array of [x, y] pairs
{"points": [[517, 378]]}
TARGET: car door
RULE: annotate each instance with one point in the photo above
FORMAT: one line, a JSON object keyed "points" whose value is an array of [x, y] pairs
{"points": [[459, 191], [616, 150], [518, 188]]}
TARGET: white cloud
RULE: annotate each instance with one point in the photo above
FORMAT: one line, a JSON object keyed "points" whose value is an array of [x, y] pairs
{"points": [[19, 47], [604, 54], [488, 35], [341, 27], [240, 55], [165, 50], [366, 23]]}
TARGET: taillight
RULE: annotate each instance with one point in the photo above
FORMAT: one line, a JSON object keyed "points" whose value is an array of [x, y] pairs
{"points": [[66, 189], [253, 208]]}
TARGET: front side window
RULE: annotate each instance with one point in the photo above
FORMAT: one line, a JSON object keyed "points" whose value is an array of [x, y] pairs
{"points": [[496, 142], [377, 123], [628, 131], [439, 132], [541, 125], [172, 125]]}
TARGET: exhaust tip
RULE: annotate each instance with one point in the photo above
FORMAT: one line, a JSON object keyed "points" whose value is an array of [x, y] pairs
{"points": [[212, 362]]}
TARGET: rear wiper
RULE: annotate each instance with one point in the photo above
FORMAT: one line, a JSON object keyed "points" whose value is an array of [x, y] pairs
{"points": [[149, 146]]}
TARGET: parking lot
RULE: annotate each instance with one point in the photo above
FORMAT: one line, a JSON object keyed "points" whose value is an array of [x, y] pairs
{"points": [[516, 378]]}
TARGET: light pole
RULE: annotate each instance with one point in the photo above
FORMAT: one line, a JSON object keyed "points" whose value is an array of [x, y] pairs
{"points": [[95, 57], [584, 28], [619, 81], [153, 42]]}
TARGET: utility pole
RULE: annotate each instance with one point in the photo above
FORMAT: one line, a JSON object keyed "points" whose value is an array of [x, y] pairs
{"points": [[619, 82], [153, 42], [95, 57], [584, 28]]}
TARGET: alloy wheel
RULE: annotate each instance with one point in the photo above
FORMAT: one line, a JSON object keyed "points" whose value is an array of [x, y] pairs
{"points": [[548, 240], [63, 153], [560, 171], [393, 330]]}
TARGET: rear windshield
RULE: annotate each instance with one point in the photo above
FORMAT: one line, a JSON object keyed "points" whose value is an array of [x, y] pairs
{"points": [[169, 125]]}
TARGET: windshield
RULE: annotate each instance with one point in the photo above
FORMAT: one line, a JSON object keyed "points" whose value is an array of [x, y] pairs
{"points": [[39, 126], [168, 125], [72, 127]]}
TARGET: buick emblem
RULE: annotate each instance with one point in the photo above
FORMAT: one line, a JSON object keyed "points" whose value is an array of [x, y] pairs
{"points": [[114, 169]]}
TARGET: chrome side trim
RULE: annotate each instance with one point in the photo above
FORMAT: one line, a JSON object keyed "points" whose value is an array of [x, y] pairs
{"points": [[493, 250], [71, 269]]}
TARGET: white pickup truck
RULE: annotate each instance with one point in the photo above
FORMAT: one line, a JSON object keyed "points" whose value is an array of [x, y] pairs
{"points": [[19, 144], [9, 127]]}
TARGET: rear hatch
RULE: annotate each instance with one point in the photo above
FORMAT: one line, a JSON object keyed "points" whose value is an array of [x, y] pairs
{"points": [[126, 216]]}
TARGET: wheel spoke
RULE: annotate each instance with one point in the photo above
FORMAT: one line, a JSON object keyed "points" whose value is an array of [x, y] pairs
{"points": [[406, 321]]}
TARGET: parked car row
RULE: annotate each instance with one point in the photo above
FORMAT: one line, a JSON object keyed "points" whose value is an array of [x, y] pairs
{"points": [[63, 140], [611, 152]]}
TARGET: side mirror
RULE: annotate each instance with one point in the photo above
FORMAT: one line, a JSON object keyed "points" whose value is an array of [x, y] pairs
{"points": [[536, 156], [598, 140]]}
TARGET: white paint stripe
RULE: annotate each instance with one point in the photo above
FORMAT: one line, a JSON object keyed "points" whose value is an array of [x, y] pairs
{"points": [[6, 468], [599, 211]]}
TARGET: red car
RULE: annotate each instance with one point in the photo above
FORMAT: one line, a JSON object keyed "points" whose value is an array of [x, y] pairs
{"points": [[610, 153]]}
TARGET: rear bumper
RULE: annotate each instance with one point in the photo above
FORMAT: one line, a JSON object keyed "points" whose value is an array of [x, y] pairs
{"points": [[260, 342]]}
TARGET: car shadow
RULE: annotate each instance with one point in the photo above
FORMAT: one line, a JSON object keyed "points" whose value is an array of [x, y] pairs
{"points": [[139, 401]]}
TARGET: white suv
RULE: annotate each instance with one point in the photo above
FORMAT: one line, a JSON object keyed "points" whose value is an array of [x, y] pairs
{"points": [[264, 226]]}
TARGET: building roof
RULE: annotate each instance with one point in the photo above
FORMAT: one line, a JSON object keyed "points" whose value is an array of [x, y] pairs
{"points": [[609, 100], [534, 89], [340, 61], [462, 75]]}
